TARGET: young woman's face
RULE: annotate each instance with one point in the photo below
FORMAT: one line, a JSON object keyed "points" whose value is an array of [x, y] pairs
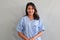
{"points": [[30, 10]]}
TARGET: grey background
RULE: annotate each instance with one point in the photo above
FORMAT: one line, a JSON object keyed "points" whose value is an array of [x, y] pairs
{"points": [[12, 10]]}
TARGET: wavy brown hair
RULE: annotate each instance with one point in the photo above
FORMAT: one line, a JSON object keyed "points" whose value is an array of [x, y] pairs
{"points": [[36, 16]]}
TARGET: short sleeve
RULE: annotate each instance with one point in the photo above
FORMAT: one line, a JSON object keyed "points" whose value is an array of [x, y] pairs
{"points": [[41, 27], [20, 25]]}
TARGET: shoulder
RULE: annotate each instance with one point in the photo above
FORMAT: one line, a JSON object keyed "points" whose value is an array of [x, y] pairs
{"points": [[37, 20], [23, 18]]}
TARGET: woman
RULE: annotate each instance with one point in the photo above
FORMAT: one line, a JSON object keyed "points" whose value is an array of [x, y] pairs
{"points": [[30, 26]]}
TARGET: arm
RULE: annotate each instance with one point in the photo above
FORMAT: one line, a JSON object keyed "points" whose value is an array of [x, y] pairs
{"points": [[36, 36], [41, 29], [22, 36], [20, 28]]}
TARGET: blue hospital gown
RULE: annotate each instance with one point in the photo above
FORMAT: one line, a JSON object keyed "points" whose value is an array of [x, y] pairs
{"points": [[30, 27]]}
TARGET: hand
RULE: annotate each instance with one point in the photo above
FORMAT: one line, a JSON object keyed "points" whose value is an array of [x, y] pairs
{"points": [[26, 39], [32, 38]]}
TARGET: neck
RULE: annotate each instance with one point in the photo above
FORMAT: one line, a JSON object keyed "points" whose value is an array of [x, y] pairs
{"points": [[31, 17]]}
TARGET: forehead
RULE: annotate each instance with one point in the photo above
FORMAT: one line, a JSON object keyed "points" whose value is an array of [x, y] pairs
{"points": [[30, 6]]}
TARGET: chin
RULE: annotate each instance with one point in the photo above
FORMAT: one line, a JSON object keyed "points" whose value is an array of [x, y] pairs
{"points": [[30, 14]]}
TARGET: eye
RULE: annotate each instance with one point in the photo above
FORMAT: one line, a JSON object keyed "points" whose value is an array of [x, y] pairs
{"points": [[32, 8], [29, 8]]}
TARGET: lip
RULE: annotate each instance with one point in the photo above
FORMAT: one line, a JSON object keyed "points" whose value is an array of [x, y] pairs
{"points": [[30, 12]]}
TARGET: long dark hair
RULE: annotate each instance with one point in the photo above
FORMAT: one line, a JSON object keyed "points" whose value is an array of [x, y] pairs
{"points": [[36, 16]]}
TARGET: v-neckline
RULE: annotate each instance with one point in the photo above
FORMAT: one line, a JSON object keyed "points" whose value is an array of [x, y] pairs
{"points": [[29, 19]]}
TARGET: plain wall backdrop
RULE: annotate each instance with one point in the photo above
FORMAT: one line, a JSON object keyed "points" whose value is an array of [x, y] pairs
{"points": [[12, 10]]}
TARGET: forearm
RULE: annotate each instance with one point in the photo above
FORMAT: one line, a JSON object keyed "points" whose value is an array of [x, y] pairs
{"points": [[38, 35], [22, 36]]}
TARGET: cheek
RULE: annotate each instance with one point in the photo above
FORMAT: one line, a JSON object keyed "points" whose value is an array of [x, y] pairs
{"points": [[28, 11], [31, 11]]}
